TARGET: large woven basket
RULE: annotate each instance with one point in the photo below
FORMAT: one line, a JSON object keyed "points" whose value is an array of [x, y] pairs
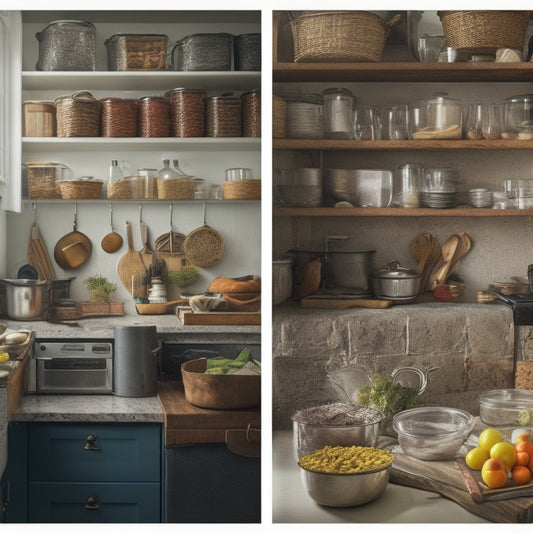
{"points": [[484, 31], [340, 36], [84, 189]]}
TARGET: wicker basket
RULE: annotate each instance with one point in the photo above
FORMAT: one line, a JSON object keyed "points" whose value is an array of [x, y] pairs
{"points": [[340, 36], [78, 115], [127, 51], [484, 31], [83, 189], [118, 117], [175, 189], [279, 112], [42, 180], [242, 190]]}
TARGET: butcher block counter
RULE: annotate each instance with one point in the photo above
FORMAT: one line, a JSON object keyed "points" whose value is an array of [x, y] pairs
{"points": [[187, 424]]}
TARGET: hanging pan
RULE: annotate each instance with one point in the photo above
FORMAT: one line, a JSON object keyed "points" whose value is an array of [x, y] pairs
{"points": [[169, 248], [74, 248], [204, 246]]}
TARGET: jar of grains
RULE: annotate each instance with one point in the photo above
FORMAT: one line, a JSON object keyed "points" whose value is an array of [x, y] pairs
{"points": [[148, 182], [119, 117], [223, 116], [251, 113], [154, 116], [187, 113]]}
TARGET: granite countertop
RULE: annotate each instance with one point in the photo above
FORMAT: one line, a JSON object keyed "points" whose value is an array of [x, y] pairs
{"points": [[87, 408], [168, 326]]}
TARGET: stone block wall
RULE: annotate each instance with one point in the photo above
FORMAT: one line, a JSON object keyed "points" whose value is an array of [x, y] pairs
{"points": [[471, 344]]}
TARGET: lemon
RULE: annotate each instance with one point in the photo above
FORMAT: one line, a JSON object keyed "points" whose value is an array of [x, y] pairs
{"points": [[505, 452], [4, 356], [489, 437], [476, 457]]}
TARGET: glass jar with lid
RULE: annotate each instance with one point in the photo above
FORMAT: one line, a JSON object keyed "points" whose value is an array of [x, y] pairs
{"points": [[338, 107], [440, 117], [148, 184]]}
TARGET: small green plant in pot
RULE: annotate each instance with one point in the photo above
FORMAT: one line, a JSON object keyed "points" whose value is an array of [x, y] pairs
{"points": [[100, 289]]}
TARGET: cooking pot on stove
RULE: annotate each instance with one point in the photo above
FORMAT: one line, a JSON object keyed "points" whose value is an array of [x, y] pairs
{"points": [[394, 282]]}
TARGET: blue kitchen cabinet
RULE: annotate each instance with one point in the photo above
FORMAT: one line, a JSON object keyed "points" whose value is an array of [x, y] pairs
{"points": [[15, 478], [93, 473]]}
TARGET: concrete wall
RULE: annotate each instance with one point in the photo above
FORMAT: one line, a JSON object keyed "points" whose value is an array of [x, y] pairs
{"points": [[471, 344]]}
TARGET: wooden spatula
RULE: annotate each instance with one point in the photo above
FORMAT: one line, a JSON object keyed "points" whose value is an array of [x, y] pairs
{"points": [[131, 266]]}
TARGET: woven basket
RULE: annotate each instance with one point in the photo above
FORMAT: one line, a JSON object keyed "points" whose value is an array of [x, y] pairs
{"points": [[279, 112], [78, 115], [340, 36], [80, 189], [242, 190], [175, 189], [484, 31]]}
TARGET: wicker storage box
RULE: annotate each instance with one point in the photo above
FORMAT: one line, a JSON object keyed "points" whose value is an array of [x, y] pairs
{"points": [[340, 36], [203, 51], [129, 187], [279, 116], [187, 113], [129, 51], [175, 189], [251, 113], [247, 51], [119, 117], [80, 189], [242, 189], [223, 116], [66, 45], [484, 31], [154, 116], [39, 119], [42, 178], [78, 115]]}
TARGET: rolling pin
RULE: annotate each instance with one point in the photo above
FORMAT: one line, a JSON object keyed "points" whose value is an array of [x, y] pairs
{"points": [[333, 303]]}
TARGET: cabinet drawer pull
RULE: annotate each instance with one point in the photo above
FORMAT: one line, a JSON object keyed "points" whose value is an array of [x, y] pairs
{"points": [[92, 504], [90, 443]]}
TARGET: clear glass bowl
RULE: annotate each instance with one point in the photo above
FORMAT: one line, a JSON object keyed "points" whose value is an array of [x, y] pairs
{"points": [[506, 408], [432, 433]]}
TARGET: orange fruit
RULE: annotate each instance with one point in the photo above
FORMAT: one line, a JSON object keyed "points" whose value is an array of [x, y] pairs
{"points": [[521, 474], [523, 436], [493, 473], [524, 446], [522, 459]]}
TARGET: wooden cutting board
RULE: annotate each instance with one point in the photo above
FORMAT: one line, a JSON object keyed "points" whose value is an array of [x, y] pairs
{"points": [[187, 424], [343, 303], [188, 318], [446, 478]]}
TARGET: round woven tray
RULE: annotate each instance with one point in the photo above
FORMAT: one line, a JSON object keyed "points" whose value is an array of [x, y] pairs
{"points": [[204, 247], [242, 190], [340, 36], [484, 31]]}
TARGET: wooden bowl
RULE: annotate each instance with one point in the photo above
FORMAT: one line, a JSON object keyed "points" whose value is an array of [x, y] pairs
{"points": [[219, 391]]}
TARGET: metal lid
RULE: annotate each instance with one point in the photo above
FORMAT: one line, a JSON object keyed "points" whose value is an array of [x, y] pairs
{"points": [[394, 271]]}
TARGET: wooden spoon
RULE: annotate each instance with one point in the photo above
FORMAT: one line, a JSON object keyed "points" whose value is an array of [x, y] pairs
{"points": [[465, 243], [112, 241], [441, 272], [433, 259]]}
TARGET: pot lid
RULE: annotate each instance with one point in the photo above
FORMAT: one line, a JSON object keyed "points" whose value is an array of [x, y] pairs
{"points": [[394, 271]]}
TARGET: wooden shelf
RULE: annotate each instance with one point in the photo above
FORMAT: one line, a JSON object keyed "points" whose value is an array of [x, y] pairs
{"points": [[402, 71], [460, 144], [396, 212]]}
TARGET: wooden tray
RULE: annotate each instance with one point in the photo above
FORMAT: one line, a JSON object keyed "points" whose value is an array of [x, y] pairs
{"points": [[88, 309], [188, 318], [158, 309]]}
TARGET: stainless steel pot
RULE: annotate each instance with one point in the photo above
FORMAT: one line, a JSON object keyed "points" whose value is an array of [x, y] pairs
{"points": [[25, 299], [394, 282], [349, 270]]}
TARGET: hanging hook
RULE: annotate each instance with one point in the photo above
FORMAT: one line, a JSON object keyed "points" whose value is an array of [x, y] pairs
{"points": [[204, 205], [140, 213], [75, 216], [111, 217], [171, 213], [34, 207]]}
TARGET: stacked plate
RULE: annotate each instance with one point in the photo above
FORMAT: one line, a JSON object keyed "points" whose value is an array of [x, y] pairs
{"points": [[304, 120], [480, 198], [438, 199]]}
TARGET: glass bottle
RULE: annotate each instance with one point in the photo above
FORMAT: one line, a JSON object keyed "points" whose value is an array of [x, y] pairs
{"points": [[167, 172], [114, 171]]}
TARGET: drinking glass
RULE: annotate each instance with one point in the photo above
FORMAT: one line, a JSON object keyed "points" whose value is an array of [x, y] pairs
{"points": [[492, 121], [395, 123], [367, 124], [474, 122], [410, 184], [429, 47]]}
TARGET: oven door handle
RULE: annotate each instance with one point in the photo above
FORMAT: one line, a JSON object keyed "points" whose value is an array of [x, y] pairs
{"points": [[42, 358]]}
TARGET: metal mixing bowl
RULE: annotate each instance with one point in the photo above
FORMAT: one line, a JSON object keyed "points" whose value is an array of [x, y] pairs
{"points": [[345, 490]]}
